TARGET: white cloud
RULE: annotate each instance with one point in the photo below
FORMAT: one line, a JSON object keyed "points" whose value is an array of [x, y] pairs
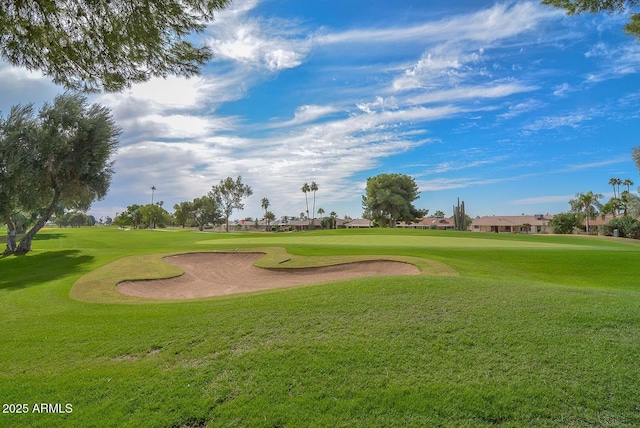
{"points": [[562, 90], [306, 114], [552, 122], [268, 44], [542, 200], [614, 62], [500, 21], [444, 64], [519, 108], [471, 92]]}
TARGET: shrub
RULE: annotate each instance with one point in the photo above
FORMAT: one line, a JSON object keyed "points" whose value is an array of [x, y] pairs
{"points": [[627, 226], [564, 223]]}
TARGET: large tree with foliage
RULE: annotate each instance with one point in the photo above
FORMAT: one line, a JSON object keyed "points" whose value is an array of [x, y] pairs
{"points": [[17, 140], [230, 193], [95, 45], [205, 210], [64, 162], [564, 223], [182, 213], [389, 199], [588, 204], [575, 7]]}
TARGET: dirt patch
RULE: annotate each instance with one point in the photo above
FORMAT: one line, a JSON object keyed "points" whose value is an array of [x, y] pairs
{"points": [[218, 274]]}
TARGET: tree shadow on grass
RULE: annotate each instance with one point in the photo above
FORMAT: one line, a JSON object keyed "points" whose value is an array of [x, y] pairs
{"points": [[24, 271], [39, 237], [48, 236]]}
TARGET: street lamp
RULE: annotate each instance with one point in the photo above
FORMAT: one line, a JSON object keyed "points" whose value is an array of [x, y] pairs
{"points": [[153, 189]]}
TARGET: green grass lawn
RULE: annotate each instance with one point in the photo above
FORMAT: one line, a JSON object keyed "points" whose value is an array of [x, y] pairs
{"points": [[534, 331]]}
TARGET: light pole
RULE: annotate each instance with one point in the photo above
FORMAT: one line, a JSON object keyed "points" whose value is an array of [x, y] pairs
{"points": [[153, 189]]}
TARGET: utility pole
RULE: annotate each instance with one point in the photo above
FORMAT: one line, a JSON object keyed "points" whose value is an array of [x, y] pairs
{"points": [[153, 189]]}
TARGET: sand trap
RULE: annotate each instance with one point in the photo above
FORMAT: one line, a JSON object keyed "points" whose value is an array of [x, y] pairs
{"points": [[218, 274]]}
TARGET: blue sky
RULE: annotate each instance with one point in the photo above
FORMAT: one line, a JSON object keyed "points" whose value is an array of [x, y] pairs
{"points": [[511, 106]]}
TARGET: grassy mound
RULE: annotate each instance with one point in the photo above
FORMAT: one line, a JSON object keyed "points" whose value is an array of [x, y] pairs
{"points": [[535, 331], [100, 284]]}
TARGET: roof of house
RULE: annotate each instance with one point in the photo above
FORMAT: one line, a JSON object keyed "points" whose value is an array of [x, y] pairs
{"points": [[359, 222], [515, 220], [428, 221]]}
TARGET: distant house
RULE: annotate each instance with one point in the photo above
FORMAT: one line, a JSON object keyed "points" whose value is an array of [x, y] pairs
{"points": [[439, 223], [513, 224], [358, 224], [299, 225]]}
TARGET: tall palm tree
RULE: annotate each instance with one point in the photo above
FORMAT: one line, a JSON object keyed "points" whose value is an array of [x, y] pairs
{"points": [[314, 189], [627, 182], [613, 181], [265, 205], [306, 189], [587, 202]]}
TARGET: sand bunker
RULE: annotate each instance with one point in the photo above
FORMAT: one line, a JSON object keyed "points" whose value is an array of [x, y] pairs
{"points": [[217, 274]]}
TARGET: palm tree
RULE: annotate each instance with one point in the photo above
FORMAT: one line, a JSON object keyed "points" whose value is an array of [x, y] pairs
{"points": [[306, 189], [587, 202], [265, 205], [269, 216], [624, 202], [314, 189], [320, 214], [334, 217], [613, 181], [627, 182]]}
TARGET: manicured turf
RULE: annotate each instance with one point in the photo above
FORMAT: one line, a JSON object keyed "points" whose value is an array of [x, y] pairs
{"points": [[535, 331]]}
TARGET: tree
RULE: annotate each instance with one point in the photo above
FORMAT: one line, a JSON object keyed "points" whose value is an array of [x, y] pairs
{"points": [[230, 194], [182, 213], [269, 217], [314, 189], [205, 210], [67, 164], [265, 206], [105, 45], [154, 215], [334, 219], [306, 189], [615, 182], [628, 227], [575, 7], [17, 134], [588, 204], [628, 182], [612, 206], [564, 223], [389, 198]]}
